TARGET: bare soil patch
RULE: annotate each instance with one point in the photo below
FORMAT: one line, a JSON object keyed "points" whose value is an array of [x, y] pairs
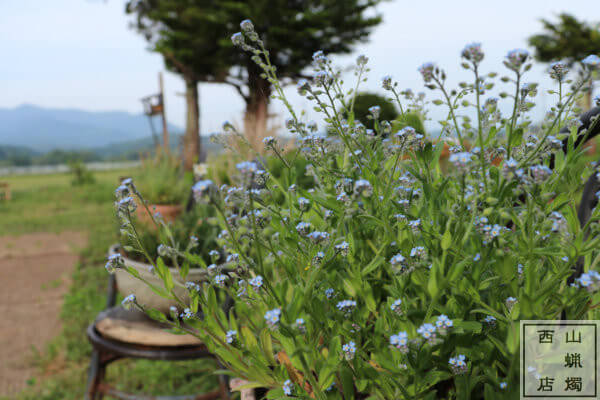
{"points": [[35, 271]]}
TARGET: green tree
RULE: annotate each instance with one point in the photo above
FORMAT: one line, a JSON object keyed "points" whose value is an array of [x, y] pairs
{"points": [[293, 31], [569, 40], [193, 36], [364, 101], [191, 45]]}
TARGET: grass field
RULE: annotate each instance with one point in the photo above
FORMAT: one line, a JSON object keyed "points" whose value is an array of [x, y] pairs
{"points": [[49, 203]]}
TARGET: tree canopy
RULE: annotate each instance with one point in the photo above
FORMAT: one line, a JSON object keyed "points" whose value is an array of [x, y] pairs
{"points": [[568, 39], [193, 36]]}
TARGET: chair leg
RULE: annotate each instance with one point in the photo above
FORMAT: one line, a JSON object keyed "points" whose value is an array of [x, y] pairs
{"points": [[224, 386], [95, 377], [223, 383]]}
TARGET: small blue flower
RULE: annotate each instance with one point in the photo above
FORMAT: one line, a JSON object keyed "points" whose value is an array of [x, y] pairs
{"points": [[329, 293], [319, 56], [427, 331], [318, 237], [349, 350], [122, 191], [299, 324], [400, 341], [323, 78], [458, 364], [269, 141], [375, 111], [516, 58], [472, 52], [202, 188], [510, 302], [592, 61], [231, 336], [503, 385], [237, 39], [272, 317], [342, 248], [386, 82], [256, 282], [221, 279], [303, 228], [192, 286], [490, 321], [247, 25], [461, 161], [418, 252], [288, 387], [129, 301], [477, 257], [346, 306], [397, 306], [443, 322], [303, 86], [187, 314], [427, 70], [303, 204], [114, 261], [397, 260], [363, 187], [415, 225]]}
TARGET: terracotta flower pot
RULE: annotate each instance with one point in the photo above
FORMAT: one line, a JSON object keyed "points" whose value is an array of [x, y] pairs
{"points": [[128, 284], [169, 212]]}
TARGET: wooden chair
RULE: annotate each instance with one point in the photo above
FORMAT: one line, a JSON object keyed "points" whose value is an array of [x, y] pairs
{"points": [[119, 334]]}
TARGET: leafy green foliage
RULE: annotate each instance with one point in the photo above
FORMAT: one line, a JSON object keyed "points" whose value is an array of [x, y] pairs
{"points": [[366, 100], [568, 39], [199, 222], [50, 203], [163, 180], [390, 278], [81, 174], [412, 120]]}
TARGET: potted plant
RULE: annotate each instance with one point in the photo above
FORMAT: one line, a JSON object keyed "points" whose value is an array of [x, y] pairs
{"points": [[390, 278], [165, 186], [196, 229]]}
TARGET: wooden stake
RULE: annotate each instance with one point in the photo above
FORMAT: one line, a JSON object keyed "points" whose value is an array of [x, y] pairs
{"points": [[163, 112]]}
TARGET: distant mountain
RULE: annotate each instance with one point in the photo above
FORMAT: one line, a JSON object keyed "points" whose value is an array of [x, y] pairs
{"points": [[131, 149], [46, 129], [121, 151]]}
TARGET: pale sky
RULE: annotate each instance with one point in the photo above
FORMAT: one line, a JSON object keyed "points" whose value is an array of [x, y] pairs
{"points": [[82, 53]]}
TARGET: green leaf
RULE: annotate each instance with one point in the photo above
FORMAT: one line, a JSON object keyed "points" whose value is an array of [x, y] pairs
{"points": [[347, 382], [185, 269], [266, 345], [446, 240]]}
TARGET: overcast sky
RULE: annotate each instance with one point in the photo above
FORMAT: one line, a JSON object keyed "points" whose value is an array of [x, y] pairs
{"points": [[82, 53]]}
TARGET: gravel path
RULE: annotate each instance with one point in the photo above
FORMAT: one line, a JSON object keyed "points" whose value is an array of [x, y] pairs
{"points": [[35, 272]]}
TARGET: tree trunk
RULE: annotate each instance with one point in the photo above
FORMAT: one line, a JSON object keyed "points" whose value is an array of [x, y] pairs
{"points": [[192, 150], [257, 107]]}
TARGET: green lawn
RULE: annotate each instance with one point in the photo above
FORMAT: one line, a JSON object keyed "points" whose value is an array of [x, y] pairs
{"points": [[49, 203]]}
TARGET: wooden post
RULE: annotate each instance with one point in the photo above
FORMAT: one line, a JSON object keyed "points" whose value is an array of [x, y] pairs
{"points": [[163, 112]]}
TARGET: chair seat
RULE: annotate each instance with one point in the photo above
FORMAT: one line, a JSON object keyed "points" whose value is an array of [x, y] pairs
{"points": [[134, 327]]}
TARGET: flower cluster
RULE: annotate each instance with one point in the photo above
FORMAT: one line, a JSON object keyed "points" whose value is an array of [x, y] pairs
{"points": [[458, 364]]}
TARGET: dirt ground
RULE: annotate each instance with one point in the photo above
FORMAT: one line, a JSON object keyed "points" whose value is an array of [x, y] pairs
{"points": [[35, 270]]}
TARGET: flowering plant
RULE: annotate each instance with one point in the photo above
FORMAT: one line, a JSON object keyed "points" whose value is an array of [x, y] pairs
{"points": [[390, 278]]}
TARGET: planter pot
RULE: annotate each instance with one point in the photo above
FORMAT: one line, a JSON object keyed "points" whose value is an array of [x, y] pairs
{"points": [[128, 284], [169, 212]]}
